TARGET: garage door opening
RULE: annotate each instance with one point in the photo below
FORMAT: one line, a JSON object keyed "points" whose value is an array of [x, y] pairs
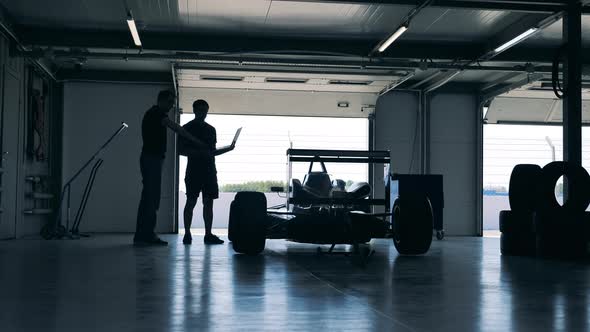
{"points": [[505, 146], [259, 160]]}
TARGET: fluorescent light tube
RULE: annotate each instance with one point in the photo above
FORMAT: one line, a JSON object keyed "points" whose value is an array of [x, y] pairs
{"points": [[133, 29], [516, 40], [392, 38]]}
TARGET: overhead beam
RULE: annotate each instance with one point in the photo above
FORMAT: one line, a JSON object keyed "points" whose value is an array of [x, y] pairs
{"points": [[530, 6], [289, 63], [240, 45]]}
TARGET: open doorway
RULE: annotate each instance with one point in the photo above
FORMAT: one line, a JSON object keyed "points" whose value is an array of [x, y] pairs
{"points": [[508, 145], [259, 160], [505, 146]]}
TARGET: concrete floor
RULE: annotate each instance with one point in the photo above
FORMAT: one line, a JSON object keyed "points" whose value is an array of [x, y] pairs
{"points": [[463, 284]]}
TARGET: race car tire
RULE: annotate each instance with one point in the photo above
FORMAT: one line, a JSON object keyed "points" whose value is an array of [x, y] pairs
{"points": [[522, 190], [560, 234], [579, 198], [412, 224], [518, 233], [231, 222], [517, 222], [515, 244], [248, 223]]}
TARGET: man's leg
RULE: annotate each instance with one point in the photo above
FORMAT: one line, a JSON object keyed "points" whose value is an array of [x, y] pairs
{"points": [[142, 210], [208, 214], [191, 201], [210, 238], [151, 170], [154, 201]]}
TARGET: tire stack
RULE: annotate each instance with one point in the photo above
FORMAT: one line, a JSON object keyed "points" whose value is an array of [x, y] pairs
{"points": [[561, 229], [517, 225], [537, 224]]}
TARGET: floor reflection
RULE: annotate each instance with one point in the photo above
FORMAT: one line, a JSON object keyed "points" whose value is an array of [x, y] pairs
{"points": [[556, 291], [462, 284]]}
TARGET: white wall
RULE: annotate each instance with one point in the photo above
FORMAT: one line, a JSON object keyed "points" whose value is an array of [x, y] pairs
{"points": [[453, 149], [395, 129], [92, 112], [453, 153]]}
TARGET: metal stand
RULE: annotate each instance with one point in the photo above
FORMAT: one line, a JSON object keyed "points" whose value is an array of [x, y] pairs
{"points": [[56, 230], [75, 226]]}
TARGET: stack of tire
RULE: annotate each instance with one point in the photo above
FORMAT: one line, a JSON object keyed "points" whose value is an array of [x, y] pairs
{"points": [[537, 223]]}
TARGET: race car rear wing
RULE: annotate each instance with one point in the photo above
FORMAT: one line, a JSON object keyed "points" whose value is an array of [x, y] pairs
{"points": [[342, 156]]}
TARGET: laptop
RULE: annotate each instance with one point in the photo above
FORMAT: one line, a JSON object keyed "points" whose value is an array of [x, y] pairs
{"points": [[234, 140]]}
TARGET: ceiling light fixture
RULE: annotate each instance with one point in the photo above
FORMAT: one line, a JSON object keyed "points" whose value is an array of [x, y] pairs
{"points": [[516, 40], [133, 29], [393, 37]]}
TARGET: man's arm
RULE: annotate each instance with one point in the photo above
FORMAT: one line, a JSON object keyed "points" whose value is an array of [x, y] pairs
{"points": [[224, 150], [182, 132]]}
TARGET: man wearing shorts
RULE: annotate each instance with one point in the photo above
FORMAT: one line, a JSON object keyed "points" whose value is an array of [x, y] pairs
{"points": [[201, 173]]}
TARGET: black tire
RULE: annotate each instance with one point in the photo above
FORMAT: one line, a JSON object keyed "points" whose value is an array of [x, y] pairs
{"points": [[412, 224], [517, 244], [518, 236], [248, 223], [517, 222], [578, 178], [560, 234], [231, 222], [522, 191]]}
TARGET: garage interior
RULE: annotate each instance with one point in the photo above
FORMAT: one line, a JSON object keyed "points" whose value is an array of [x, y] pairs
{"points": [[429, 78]]}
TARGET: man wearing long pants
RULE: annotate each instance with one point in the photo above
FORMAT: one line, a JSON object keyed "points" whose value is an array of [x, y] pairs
{"points": [[153, 132]]}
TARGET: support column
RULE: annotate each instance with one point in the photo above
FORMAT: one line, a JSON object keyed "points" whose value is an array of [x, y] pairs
{"points": [[424, 114], [572, 76]]}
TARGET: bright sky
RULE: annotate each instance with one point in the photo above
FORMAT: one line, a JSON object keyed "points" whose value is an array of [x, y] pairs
{"points": [[260, 153]]}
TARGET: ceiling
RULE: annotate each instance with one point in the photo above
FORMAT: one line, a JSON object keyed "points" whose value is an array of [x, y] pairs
{"points": [[264, 17], [447, 44]]}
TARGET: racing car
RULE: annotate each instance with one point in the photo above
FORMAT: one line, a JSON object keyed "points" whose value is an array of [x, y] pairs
{"points": [[321, 210]]}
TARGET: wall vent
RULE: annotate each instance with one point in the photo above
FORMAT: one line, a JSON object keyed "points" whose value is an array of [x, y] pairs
{"points": [[222, 78], [285, 80], [350, 82]]}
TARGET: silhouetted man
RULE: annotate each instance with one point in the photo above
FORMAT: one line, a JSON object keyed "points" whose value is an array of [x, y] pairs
{"points": [[201, 173], [153, 132]]}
